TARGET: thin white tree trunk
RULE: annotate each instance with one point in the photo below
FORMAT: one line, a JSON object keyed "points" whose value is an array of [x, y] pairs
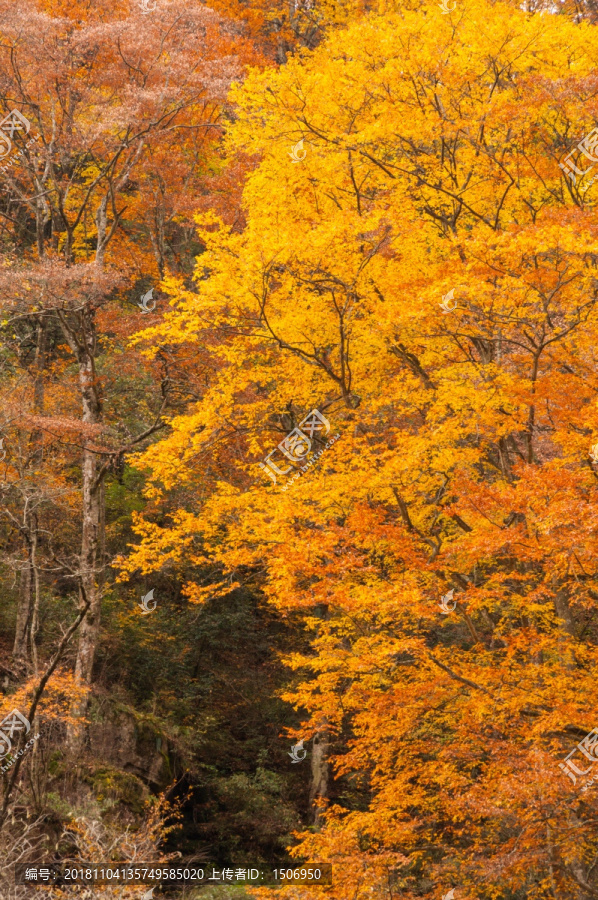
{"points": [[83, 343]]}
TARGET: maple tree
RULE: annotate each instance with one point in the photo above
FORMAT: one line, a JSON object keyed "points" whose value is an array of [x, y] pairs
{"points": [[128, 114], [431, 169]]}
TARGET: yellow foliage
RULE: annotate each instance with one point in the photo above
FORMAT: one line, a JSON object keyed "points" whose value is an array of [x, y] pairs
{"points": [[432, 168]]}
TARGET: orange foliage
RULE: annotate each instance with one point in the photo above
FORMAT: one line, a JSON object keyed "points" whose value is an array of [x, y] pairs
{"points": [[431, 169]]}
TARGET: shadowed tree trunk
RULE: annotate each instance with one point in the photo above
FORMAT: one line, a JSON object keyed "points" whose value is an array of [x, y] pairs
{"points": [[24, 648], [24, 613], [319, 775]]}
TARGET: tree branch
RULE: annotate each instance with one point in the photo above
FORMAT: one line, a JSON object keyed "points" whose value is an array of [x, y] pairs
{"points": [[38, 694]]}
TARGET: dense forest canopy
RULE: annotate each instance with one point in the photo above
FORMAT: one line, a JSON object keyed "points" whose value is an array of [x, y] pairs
{"points": [[299, 445]]}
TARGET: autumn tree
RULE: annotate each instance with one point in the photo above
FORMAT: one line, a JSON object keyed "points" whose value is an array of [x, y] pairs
{"points": [[425, 277]]}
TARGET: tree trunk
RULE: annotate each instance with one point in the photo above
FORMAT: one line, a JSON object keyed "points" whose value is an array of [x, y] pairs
{"points": [[319, 775], [24, 649], [19, 650], [90, 627], [35, 596], [83, 343]]}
